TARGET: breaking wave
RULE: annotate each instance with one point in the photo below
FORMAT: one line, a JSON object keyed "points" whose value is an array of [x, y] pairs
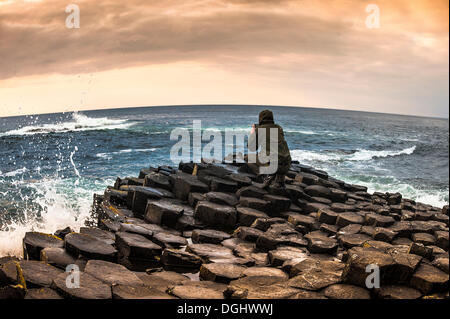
{"points": [[59, 202], [344, 165], [15, 172], [341, 156], [365, 155], [109, 155], [49, 171], [434, 197], [80, 123], [301, 132]]}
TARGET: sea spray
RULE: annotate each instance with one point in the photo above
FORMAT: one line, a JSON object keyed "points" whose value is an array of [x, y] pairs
{"points": [[73, 164], [57, 210], [120, 142]]}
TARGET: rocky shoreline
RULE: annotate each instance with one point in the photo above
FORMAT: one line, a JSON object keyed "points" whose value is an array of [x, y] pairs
{"points": [[210, 232]]}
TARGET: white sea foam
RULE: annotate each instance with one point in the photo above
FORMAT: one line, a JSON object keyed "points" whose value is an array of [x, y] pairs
{"points": [[136, 150], [305, 132], [15, 172], [383, 183], [80, 122], [109, 155], [103, 155], [365, 155], [436, 198], [214, 129], [312, 156], [359, 155], [59, 210]]}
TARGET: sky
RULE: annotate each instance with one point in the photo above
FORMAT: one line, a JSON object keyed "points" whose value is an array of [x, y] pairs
{"points": [[311, 53]]}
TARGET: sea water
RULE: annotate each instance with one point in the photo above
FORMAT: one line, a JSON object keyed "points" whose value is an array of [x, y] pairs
{"points": [[51, 165]]}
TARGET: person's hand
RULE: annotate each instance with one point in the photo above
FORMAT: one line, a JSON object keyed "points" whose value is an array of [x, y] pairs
{"points": [[253, 129]]}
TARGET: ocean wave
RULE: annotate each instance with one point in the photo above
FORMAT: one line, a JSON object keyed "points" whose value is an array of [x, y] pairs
{"points": [[80, 122], [341, 156], [434, 197], [410, 139], [109, 155], [365, 155], [305, 132], [62, 204], [15, 172], [310, 132], [246, 129], [358, 161]]}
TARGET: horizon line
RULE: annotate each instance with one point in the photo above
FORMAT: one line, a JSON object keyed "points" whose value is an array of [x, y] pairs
{"points": [[203, 104]]}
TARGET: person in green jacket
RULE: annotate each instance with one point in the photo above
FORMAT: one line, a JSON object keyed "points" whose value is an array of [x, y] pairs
{"points": [[284, 157]]}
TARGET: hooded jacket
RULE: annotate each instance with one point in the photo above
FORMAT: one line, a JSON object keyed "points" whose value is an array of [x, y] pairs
{"points": [[266, 121]]}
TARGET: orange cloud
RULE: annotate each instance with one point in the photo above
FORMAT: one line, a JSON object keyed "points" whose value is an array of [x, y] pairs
{"points": [[307, 47]]}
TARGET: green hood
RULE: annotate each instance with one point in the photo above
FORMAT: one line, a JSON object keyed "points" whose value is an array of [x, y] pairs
{"points": [[266, 117]]}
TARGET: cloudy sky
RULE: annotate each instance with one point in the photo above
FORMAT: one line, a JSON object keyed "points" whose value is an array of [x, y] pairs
{"points": [[315, 53]]}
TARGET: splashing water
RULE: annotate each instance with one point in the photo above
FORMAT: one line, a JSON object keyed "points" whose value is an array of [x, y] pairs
{"points": [[51, 165], [59, 208], [73, 164]]}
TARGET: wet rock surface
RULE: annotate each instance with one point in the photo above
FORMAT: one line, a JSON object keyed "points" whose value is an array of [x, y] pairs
{"points": [[34, 242], [209, 231]]}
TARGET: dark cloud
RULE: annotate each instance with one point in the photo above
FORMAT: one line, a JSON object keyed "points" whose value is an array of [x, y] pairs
{"points": [[295, 42], [116, 34]]}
